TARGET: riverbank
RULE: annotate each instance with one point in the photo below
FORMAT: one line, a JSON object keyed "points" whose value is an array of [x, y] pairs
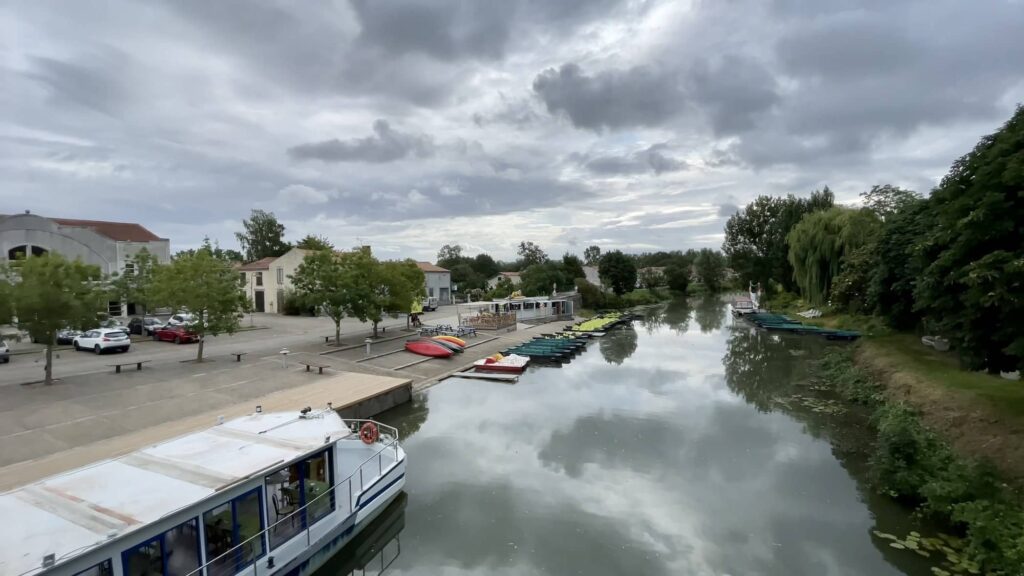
{"points": [[914, 459]]}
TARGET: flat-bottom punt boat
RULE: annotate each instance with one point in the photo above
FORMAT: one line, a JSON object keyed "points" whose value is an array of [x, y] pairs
{"points": [[513, 363], [264, 494]]}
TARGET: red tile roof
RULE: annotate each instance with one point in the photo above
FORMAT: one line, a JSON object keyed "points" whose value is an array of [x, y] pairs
{"points": [[428, 267], [121, 231], [261, 264]]}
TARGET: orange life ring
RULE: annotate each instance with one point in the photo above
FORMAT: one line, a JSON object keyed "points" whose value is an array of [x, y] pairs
{"points": [[368, 433]]}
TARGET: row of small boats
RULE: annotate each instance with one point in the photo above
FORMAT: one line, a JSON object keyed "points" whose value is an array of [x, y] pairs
{"points": [[601, 323], [780, 323], [550, 347], [436, 346]]}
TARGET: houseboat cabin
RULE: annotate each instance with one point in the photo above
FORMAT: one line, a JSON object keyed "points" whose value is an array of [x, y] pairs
{"points": [[274, 493]]}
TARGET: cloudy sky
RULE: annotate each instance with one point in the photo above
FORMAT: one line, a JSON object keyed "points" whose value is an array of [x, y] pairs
{"points": [[406, 124]]}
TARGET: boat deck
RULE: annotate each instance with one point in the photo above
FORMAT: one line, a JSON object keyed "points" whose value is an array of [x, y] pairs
{"points": [[349, 392]]}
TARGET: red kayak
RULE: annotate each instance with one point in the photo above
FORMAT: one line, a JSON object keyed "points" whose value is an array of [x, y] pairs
{"points": [[427, 348]]}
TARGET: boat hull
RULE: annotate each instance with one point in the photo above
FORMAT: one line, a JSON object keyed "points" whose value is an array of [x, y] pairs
{"points": [[428, 348]]}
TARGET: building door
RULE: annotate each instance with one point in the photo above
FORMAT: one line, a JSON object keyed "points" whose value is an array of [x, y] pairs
{"points": [[444, 296], [259, 301]]}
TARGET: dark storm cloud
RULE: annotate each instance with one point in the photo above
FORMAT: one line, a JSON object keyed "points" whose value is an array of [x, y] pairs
{"points": [[734, 91], [444, 29], [639, 96], [96, 80], [385, 145], [651, 159]]}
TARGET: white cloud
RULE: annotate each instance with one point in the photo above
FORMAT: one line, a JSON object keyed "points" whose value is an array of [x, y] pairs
{"points": [[303, 194]]}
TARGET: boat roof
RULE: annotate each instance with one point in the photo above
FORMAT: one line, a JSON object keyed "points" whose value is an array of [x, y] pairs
{"points": [[72, 513]]}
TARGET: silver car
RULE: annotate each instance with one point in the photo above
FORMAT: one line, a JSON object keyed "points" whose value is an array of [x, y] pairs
{"points": [[5, 352]]}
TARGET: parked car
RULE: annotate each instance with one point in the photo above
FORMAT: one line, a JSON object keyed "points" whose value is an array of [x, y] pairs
{"points": [[178, 334], [100, 340], [67, 335], [144, 325], [430, 303], [180, 319], [5, 352], [112, 323]]}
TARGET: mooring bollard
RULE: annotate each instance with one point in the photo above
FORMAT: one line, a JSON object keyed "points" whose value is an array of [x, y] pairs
{"points": [[284, 357], [368, 341]]}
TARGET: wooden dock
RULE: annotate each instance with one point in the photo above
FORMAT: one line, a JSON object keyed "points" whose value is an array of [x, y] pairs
{"points": [[486, 376], [354, 395]]}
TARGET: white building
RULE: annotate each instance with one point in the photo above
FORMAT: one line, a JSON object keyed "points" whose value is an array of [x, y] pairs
{"points": [[438, 282], [590, 272], [267, 280], [512, 276], [109, 245]]}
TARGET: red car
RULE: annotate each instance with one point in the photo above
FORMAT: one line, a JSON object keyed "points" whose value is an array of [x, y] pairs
{"points": [[176, 334]]}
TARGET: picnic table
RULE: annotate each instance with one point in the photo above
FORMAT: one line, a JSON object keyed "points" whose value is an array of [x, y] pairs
{"points": [[237, 355]]}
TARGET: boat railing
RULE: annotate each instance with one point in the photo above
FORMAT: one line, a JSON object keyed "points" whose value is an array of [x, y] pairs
{"points": [[251, 550]]}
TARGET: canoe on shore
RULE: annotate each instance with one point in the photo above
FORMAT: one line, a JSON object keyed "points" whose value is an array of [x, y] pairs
{"points": [[428, 348]]}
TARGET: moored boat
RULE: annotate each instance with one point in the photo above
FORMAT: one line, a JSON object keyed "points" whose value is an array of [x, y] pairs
{"points": [[267, 493], [512, 363], [454, 340], [428, 348], [449, 345]]}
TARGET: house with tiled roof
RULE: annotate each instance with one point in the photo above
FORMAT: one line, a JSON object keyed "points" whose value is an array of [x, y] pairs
{"points": [[109, 245], [268, 281]]}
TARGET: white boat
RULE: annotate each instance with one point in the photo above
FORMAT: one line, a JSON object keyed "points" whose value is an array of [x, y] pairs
{"points": [[264, 494]]}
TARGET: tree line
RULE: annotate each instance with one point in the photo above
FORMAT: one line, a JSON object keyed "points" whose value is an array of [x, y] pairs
{"points": [[951, 263]]}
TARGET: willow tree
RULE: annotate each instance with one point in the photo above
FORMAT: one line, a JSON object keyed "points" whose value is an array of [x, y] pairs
{"points": [[819, 243]]}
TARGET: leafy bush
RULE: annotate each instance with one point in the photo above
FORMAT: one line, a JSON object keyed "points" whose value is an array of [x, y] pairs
{"points": [[907, 455], [291, 304], [850, 382]]}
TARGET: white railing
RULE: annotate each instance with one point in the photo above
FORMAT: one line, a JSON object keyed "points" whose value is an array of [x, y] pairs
{"points": [[254, 547]]}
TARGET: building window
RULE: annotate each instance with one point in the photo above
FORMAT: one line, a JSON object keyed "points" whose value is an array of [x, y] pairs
{"points": [[259, 278], [114, 308], [229, 525], [280, 276], [105, 568], [129, 268], [430, 291], [169, 554], [301, 494], [241, 278]]}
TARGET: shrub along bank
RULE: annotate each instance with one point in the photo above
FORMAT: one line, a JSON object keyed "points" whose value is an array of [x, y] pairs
{"points": [[914, 465]]}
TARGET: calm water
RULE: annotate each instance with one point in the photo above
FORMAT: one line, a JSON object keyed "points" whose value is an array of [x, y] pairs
{"points": [[672, 447]]}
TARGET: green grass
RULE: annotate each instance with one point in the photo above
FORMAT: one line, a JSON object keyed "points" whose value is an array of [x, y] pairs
{"points": [[942, 368]]}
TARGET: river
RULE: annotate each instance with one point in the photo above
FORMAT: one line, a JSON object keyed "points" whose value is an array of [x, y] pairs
{"points": [[686, 444]]}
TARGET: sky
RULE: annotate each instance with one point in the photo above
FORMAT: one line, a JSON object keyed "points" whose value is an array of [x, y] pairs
{"points": [[406, 125]]}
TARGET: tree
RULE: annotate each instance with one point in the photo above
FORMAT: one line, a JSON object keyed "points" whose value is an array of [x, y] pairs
{"points": [[50, 293], [820, 242], [314, 242], [531, 253], [321, 282], [896, 275], [887, 200], [449, 255], [756, 236], [399, 283], [972, 285], [6, 297], [618, 272], [710, 269], [485, 266], [573, 266], [214, 249], [650, 278], [136, 283], [592, 297], [205, 286], [677, 276], [592, 255], [263, 236], [503, 288], [540, 279]]}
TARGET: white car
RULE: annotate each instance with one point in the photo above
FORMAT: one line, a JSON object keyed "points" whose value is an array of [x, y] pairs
{"points": [[101, 339], [5, 352], [180, 318]]}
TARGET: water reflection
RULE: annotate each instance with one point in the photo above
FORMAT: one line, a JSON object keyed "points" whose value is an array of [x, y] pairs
{"points": [[618, 344], [709, 313], [676, 461]]}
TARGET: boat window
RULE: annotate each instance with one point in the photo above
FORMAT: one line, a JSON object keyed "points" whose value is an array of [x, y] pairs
{"points": [[105, 568], [292, 488], [173, 553], [229, 525]]}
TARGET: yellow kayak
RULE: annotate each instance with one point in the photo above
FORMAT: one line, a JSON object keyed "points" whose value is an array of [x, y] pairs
{"points": [[452, 339]]}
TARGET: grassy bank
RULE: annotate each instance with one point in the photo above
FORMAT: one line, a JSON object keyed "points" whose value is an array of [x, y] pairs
{"points": [[914, 464]]}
